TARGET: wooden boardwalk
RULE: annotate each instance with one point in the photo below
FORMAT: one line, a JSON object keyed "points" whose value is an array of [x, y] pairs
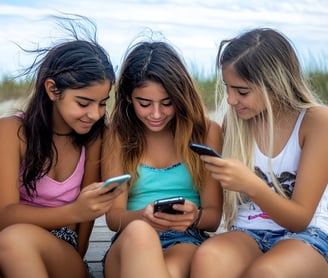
{"points": [[98, 245]]}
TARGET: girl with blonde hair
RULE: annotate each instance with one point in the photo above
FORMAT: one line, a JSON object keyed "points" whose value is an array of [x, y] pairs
{"points": [[273, 170]]}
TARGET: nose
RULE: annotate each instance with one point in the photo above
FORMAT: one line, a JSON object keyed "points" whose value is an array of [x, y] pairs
{"points": [[96, 112], [232, 97], [156, 111]]}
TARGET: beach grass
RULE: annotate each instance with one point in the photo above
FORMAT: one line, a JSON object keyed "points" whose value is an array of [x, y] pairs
{"points": [[11, 89]]}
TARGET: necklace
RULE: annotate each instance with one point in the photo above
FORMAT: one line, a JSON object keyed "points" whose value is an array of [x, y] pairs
{"points": [[62, 134]]}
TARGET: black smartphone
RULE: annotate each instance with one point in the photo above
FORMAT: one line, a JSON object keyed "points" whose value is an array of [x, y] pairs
{"points": [[117, 181], [204, 150], [165, 205]]}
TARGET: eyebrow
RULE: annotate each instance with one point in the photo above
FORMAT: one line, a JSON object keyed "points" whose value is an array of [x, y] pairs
{"points": [[236, 86], [90, 99], [146, 99], [240, 87]]}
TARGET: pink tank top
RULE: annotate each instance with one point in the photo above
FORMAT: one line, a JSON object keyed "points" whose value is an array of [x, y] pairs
{"points": [[51, 193]]}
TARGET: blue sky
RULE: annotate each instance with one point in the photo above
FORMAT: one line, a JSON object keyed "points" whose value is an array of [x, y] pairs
{"points": [[194, 27]]}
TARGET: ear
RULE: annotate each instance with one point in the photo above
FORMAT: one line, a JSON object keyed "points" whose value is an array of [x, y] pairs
{"points": [[51, 89]]}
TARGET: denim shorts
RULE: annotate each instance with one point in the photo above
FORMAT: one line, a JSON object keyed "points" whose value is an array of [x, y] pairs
{"points": [[171, 237], [266, 239]]}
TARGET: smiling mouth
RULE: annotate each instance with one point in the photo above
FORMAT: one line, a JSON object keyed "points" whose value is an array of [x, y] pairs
{"points": [[156, 123], [87, 124]]}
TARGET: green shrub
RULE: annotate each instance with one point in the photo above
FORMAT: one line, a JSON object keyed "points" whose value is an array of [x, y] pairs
{"points": [[12, 89], [319, 83]]}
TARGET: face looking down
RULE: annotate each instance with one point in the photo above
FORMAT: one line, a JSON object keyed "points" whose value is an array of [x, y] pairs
{"points": [[153, 106], [80, 109], [246, 99]]}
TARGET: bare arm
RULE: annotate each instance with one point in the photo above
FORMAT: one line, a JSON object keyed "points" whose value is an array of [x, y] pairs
{"points": [[312, 176], [91, 174], [89, 205], [211, 196], [311, 180], [118, 216]]}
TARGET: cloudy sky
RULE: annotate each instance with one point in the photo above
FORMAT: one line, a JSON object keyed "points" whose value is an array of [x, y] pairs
{"points": [[194, 27]]}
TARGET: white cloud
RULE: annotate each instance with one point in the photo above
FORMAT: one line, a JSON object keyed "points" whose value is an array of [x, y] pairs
{"points": [[195, 27]]}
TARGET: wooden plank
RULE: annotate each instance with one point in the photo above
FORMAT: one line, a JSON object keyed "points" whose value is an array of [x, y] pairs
{"points": [[98, 245]]}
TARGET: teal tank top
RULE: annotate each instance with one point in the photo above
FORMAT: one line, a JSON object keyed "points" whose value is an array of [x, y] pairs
{"points": [[154, 183]]}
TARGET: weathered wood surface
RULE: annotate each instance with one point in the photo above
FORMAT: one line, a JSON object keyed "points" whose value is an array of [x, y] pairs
{"points": [[98, 245]]}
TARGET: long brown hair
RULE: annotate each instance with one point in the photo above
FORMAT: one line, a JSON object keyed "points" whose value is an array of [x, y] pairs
{"points": [[157, 62], [72, 64]]}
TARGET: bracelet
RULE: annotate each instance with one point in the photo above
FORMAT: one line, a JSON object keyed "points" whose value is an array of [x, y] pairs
{"points": [[196, 222]]}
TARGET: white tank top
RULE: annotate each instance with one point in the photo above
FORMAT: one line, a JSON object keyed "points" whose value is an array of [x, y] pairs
{"points": [[285, 166]]}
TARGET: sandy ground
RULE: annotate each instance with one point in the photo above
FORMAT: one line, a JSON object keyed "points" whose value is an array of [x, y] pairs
{"points": [[10, 106]]}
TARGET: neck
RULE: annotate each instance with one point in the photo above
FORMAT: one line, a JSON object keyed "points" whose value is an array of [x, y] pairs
{"points": [[62, 134]]}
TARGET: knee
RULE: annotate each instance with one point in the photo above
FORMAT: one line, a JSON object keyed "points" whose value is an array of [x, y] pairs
{"points": [[10, 238], [139, 232], [16, 235], [10, 234]]}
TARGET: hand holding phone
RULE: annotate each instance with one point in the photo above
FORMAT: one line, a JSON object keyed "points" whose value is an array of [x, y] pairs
{"points": [[117, 181], [204, 150], [165, 205]]}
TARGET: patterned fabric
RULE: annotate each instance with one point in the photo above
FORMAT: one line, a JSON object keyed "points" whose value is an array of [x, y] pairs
{"points": [[66, 234]]}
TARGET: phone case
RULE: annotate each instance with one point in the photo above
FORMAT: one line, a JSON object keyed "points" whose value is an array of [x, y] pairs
{"points": [[204, 150], [118, 181], [165, 205]]}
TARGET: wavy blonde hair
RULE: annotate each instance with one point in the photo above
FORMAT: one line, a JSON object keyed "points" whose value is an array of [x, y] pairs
{"points": [[265, 58]]}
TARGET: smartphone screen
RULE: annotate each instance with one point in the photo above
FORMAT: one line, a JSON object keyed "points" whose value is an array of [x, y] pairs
{"points": [[117, 181], [165, 205], [204, 150]]}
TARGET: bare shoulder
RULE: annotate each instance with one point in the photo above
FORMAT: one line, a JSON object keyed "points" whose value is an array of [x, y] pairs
{"points": [[320, 111], [111, 159], [93, 149], [9, 126], [214, 136], [316, 117], [314, 127], [12, 151], [111, 140]]}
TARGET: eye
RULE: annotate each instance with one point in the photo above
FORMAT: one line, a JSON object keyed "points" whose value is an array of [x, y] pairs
{"points": [[83, 104], [243, 92], [167, 102], [144, 104]]}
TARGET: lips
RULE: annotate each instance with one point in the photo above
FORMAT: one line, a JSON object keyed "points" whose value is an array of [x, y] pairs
{"points": [[86, 124], [155, 123], [241, 110]]}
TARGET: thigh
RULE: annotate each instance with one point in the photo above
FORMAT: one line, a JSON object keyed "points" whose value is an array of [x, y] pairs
{"points": [[178, 259], [225, 255], [112, 259], [137, 252], [124, 246], [38, 248], [289, 258], [37, 244]]}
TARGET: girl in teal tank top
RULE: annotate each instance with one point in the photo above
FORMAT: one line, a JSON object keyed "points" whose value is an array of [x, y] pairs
{"points": [[157, 114]]}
